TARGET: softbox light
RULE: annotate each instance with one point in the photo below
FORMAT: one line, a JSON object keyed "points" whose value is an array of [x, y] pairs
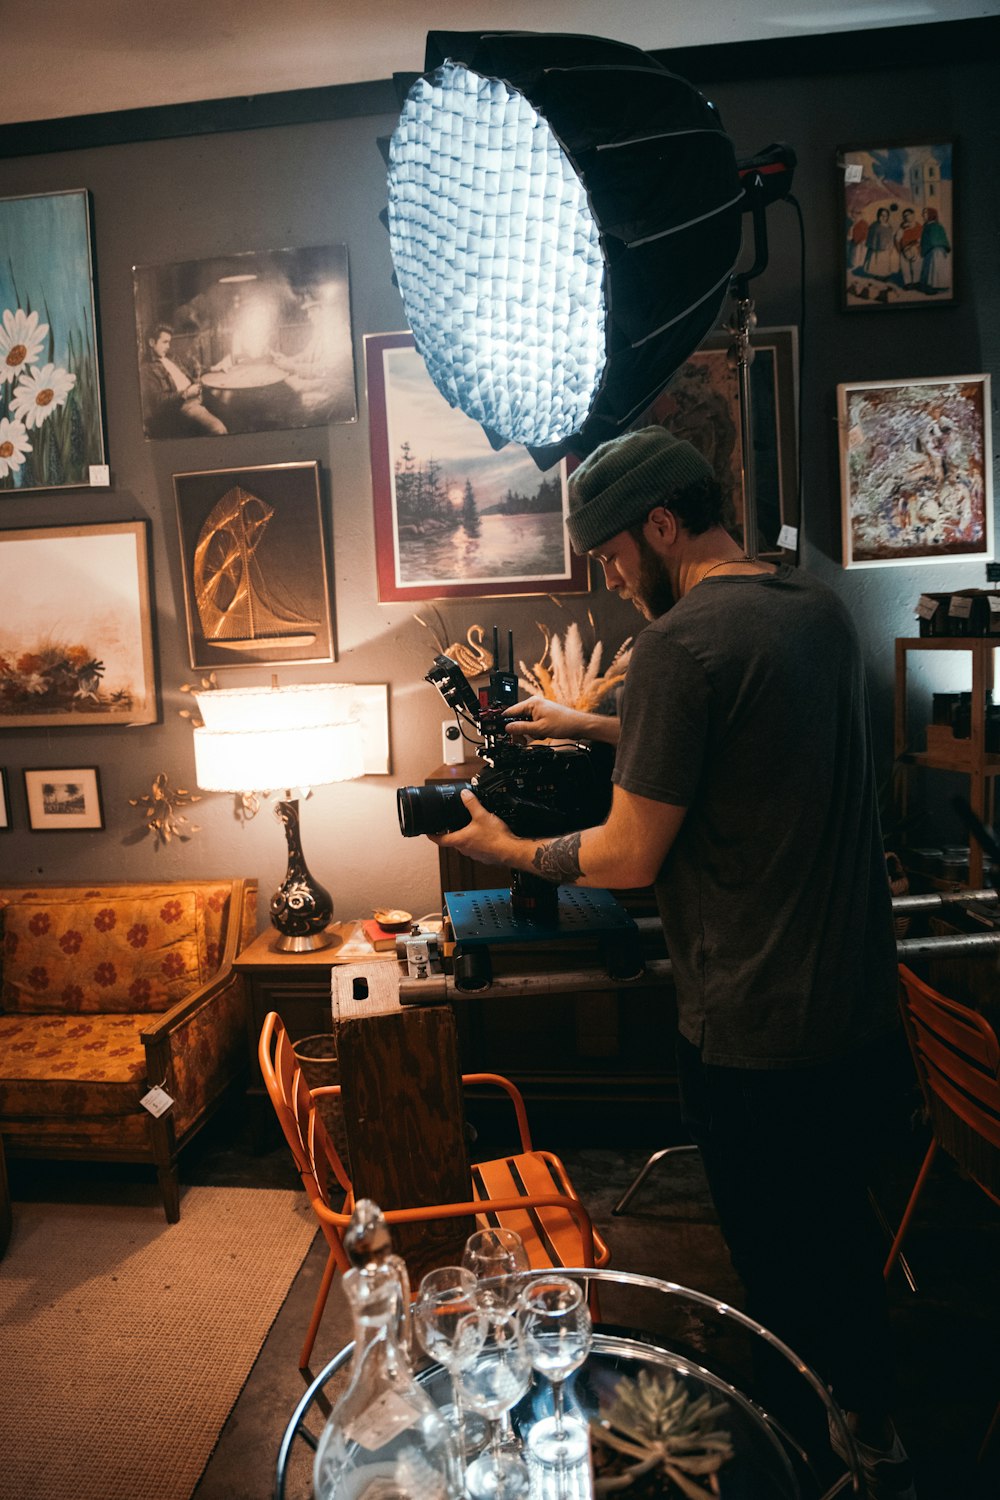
{"points": [[564, 217]]}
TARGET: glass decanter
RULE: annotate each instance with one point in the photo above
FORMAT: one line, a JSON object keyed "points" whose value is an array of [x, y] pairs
{"points": [[385, 1439]]}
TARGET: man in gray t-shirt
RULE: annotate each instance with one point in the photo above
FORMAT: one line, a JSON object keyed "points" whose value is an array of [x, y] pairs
{"points": [[743, 790]]}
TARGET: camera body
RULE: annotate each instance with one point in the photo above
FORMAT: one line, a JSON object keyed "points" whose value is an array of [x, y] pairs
{"points": [[538, 790]]}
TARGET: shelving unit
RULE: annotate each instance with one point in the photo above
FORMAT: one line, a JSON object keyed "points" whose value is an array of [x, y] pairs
{"points": [[944, 752]]}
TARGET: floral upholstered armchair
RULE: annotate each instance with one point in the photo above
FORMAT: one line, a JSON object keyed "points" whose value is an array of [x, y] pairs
{"points": [[108, 991]]}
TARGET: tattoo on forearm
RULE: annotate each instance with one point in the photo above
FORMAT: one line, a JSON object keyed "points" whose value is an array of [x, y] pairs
{"points": [[559, 860]]}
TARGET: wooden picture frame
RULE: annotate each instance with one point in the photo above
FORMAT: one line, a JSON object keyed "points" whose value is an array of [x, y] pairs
{"points": [[78, 649], [701, 404], [51, 421], [251, 342], [916, 470], [455, 519], [254, 563], [4, 803], [898, 239], [63, 799]]}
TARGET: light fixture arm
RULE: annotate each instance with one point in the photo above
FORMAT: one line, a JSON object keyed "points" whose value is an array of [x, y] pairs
{"points": [[766, 177]]}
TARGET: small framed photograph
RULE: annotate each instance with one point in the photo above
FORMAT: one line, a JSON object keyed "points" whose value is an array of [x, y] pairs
{"points": [[898, 226], [64, 799], [455, 519], [4, 803], [254, 562], [916, 470]]}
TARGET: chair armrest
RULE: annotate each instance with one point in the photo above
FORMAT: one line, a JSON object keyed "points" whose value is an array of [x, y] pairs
{"points": [[476, 1206], [514, 1093], [197, 1047]]}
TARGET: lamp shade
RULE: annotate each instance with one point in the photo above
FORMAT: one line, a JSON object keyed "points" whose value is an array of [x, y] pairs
{"points": [[564, 217], [263, 739]]}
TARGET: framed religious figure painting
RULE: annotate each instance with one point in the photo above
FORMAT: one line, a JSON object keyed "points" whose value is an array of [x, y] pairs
{"points": [[51, 424], [455, 518], [63, 799], [916, 470], [898, 226], [245, 343], [702, 404], [77, 650], [254, 563]]}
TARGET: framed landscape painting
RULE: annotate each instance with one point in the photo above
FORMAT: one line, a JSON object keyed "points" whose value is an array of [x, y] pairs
{"points": [[455, 519], [702, 404], [253, 555], [76, 648], [898, 239], [916, 470], [51, 426]]}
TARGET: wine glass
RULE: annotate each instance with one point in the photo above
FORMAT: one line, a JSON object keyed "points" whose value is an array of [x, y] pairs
{"points": [[556, 1327], [492, 1255], [491, 1384], [450, 1328]]}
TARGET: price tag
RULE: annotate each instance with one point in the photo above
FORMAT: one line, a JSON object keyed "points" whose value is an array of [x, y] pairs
{"points": [[960, 607], [788, 537], [99, 474], [926, 606], [853, 172], [993, 600], [157, 1101], [380, 1422]]}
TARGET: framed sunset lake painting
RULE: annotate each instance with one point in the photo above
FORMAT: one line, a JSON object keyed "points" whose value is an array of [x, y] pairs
{"points": [[453, 517]]}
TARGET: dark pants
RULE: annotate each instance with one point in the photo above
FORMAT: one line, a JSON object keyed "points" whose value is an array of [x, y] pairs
{"points": [[787, 1155]]}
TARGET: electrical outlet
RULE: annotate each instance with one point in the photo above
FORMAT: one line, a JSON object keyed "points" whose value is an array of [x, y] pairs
{"points": [[452, 744]]}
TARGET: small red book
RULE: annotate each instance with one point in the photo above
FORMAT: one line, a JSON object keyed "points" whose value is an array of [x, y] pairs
{"points": [[381, 939]]}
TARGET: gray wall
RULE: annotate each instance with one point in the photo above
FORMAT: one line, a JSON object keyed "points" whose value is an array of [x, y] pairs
{"points": [[294, 185]]}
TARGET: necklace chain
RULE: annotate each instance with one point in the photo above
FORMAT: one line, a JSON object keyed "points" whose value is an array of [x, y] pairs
{"points": [[726, 563]]}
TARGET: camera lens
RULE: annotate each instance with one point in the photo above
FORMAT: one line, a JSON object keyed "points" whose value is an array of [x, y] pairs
{"points": [[431, 809]]}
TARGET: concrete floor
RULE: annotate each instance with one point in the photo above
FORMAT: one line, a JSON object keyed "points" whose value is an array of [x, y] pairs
{"points": [[947, 1335]]}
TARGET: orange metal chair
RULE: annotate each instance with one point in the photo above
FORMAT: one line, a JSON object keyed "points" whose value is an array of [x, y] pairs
{"points": [[957, 1057], [529, 1192]]}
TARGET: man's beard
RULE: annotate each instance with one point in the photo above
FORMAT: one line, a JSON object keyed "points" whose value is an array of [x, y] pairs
{"points": [[654, 593]]}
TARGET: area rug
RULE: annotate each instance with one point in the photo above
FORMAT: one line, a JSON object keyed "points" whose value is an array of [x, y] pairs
{"points": [[125, 1341]]}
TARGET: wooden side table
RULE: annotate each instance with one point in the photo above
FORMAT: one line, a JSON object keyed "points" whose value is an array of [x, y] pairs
{"points": [[297, 986]]}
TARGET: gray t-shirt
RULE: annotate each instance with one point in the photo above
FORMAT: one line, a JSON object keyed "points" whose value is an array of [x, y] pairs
{"points": [[746, 704]]}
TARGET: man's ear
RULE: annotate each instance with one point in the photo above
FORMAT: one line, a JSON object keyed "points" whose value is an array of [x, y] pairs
{"points": [[664, 523]]}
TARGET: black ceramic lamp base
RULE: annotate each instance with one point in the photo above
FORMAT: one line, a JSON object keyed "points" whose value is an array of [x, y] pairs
{"points": [[301, 909]]}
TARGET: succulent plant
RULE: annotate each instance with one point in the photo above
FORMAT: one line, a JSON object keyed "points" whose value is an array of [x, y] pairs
{"points": [[656, 1420]]}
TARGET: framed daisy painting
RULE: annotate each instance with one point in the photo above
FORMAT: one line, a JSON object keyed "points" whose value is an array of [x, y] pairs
{"points": [[51, 424]]}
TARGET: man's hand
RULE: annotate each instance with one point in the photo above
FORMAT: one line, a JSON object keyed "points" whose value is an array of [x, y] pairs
{"points": [[487, 838], [539, 718]]}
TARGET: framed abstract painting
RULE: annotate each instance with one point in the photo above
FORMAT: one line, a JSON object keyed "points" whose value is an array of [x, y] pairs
{"points": [[254, 560], [455, 519], [51, 424], [916, 470], [77, 650]]}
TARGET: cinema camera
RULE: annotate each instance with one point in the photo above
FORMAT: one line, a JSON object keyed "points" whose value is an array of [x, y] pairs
{"points": [[538, 790]]}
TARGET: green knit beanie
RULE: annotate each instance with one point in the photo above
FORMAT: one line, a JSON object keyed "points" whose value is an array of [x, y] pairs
{"points": [[624, 479]]}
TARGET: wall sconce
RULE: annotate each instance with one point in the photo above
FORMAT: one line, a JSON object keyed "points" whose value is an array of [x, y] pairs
{"points": [[261, 739]]}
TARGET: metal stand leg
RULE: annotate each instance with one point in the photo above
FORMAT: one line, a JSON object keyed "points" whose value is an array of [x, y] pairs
{"points": [[640, 1178]]}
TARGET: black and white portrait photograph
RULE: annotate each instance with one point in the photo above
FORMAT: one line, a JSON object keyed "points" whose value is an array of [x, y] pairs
{"points": [[251, 342]]}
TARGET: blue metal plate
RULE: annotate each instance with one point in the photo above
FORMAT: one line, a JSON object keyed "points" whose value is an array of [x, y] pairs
{"points": [[482, 917]]}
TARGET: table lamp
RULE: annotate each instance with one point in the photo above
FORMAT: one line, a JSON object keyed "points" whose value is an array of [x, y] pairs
{"points": [[261, 739]]}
